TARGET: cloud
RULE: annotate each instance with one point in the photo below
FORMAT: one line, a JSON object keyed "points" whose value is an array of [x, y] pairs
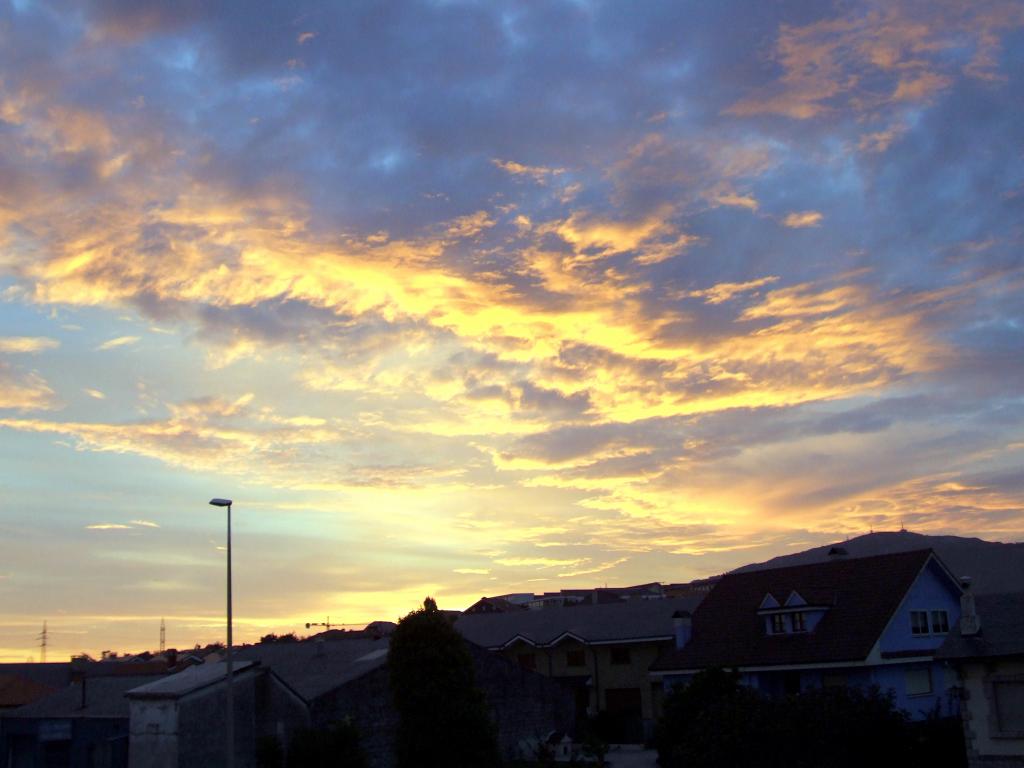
{"points": [[802, 219], [120, 341], [95, 394], [877, 55], [108, 527], [26, 391], [26, 344]]}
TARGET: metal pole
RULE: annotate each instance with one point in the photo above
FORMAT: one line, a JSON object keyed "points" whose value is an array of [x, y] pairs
{"points": [[231, 669]]}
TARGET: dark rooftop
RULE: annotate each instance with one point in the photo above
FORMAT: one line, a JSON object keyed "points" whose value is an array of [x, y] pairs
{"points": [[862, 595], [104, 697], [614, 622], [1002, 630]]}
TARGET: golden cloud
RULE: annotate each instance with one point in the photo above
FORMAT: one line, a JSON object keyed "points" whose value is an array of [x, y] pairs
{"points": [[801, 219]]}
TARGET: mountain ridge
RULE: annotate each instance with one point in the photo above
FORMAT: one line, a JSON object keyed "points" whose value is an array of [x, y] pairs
{"points": [[993, 566]]}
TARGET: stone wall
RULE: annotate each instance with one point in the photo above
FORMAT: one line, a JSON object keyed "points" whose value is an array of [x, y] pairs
{"points": [[525, 707]]}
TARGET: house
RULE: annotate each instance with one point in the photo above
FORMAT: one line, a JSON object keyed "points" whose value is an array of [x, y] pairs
{"points": [[81, 725], [602, 650], [179, 719], [848, 621], [281, 687], [987, 650]]}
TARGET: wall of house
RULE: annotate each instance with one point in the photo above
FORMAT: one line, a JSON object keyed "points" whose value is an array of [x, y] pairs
{"points": [[366, 701], [153, 733], [525, 706], [942, 699], [603, 673], [931, 590], [983, 747], [201, 738], [90, 742]]}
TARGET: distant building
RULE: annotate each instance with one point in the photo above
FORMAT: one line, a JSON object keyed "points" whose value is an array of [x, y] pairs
{"points": [[859, 622], [987, 650], [280, 687], [603, 651], [82, 725]]}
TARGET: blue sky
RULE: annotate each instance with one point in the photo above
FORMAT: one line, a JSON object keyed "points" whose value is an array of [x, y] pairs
{"points": [[469, 298]]}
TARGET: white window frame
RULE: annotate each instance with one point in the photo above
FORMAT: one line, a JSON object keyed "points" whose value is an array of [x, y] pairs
{"points": [[928, 625]]}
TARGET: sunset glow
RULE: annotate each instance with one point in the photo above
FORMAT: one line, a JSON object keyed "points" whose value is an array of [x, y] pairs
{"points": [[464, 299]]}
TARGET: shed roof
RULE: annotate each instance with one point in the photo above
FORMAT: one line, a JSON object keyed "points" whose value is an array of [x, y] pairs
{"points": [[624, 622], [104, 697], [861, 594], [1002, 629], [187, 681]]}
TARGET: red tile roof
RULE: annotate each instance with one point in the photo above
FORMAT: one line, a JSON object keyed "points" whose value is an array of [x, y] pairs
{"points": [[16, 691], [863, 595]]}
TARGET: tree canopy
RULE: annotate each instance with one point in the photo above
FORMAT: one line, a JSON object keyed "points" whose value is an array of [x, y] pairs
{"points": [[443, 719]]}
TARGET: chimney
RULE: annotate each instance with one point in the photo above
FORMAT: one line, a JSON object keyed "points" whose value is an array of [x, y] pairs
{"points": [[682, 625], [970, 622]]}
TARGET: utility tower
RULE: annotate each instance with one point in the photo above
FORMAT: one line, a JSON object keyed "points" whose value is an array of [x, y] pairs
{"points": [[163, 636], [42, 642]]}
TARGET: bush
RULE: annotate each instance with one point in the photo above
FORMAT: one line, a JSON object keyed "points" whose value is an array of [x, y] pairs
{"points": [[335, 747], [716, 722], [712, 722]]}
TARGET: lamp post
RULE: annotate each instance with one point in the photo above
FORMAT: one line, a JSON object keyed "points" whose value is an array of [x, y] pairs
{"points": [[230, 673]]}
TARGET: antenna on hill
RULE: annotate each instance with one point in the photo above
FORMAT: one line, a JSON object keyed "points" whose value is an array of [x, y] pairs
{"points": [[163, 636], [903, 528], [43, 637]]}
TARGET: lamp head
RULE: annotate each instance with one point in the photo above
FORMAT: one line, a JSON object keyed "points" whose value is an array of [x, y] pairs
{"points": [[220, 502]]}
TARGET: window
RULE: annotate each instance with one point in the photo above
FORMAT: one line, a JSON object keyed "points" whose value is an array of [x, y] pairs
{"points": [[778, 624], [528, 660], [620, 655], [575, 659], [940, 622], [919, 622], [799, 622], [1008, 696], [919, 681]]}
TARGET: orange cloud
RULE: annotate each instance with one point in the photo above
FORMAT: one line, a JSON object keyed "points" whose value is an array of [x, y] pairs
{"points": [[802, 219]]}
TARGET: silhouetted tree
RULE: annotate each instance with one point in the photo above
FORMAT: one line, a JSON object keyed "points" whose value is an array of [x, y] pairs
{"points": [[443, 720]]}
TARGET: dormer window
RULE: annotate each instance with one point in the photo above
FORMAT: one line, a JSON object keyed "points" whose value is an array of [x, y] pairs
{"points": [[778, 624], [799, 620]]}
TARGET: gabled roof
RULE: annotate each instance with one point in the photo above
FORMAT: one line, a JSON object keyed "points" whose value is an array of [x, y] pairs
{"points": [[1002, 630], [104, 698], [312, 669], [189, 681], [604, 623], [16, 691], [861, 594]]}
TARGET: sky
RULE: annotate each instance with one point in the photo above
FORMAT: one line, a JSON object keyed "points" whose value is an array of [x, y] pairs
{"points": [[468, 298]]}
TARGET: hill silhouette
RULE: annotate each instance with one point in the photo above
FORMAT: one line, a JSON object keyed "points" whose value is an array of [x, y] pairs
{"points": [[993, 566]]}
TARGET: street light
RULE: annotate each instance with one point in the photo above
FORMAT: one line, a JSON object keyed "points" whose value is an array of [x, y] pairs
{"points": [[231, 668]]}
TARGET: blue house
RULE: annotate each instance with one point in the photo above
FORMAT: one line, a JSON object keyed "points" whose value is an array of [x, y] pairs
{"points": [[850, 621]]}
